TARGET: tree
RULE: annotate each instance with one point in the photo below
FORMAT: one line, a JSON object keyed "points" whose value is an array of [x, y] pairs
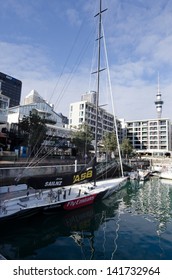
{"points": [[82, 140], [34, 130], [126, 147], [109, 143]]}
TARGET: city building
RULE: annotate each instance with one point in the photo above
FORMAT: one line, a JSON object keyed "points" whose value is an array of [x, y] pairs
{"points": [[11, 88], [84, 112], [35, 104], [58, 137], [33, 97], [65, 120], [150, 136], [4, 105], [90, 97]]}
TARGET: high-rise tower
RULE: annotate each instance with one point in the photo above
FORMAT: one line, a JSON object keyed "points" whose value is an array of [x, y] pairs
{"points": [[11, 88], [158, 101]]}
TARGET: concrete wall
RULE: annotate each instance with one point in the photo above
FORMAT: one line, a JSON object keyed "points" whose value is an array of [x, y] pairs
{"points": [[25, 172]]}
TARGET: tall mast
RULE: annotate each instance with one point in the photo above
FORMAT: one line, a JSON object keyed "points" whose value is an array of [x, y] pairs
{"points": [[98, 72]]}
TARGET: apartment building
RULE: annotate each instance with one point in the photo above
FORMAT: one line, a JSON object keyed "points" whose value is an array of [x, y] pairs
{"points": [[150, 135], [84, 112]]}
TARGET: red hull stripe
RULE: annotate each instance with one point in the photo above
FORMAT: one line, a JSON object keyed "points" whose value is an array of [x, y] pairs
{"points": [[79, 202]]}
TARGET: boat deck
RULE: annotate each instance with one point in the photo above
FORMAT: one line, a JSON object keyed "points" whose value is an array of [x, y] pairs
{"points": [[15, 194], [69, 197]]}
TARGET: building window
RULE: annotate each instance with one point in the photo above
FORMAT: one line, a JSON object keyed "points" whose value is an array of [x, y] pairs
{"points": [[81, 106], [80, 120], [144, 123], [162, 122]]}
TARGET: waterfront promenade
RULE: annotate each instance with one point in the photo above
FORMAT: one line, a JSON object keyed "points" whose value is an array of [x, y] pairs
{"points": [[24, 168], [164, 161]]}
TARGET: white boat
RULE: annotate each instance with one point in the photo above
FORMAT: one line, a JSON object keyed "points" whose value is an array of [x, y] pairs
{"points": [[143, 174], [166, 182], [156, 168], [134, 175], [55, 196], [67, 198], [139, 174], [166, 173]]}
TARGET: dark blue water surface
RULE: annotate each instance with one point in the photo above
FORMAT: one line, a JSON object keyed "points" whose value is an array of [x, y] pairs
{"points": [[135, 223]]}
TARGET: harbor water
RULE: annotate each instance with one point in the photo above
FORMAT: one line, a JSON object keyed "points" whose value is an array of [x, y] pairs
{"points": [[133, 224]]}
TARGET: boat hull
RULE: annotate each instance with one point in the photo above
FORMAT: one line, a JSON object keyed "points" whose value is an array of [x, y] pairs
{"points": [[166, 175], [144, 175], [50, 201]]}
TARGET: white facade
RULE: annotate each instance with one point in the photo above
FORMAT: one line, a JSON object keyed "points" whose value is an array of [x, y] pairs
{"points": [[34, 103], [84, 112], [4, 105], [153, 134], [90, 97], [33, 97], [44, 110], [54, 123]]}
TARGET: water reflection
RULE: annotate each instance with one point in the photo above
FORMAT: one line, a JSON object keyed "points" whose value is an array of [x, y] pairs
{"points": [[77, 229], [101, 231], [154, 199]]}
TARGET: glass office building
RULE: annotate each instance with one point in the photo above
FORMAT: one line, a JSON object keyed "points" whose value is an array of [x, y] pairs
{"points": [[11, 88]]}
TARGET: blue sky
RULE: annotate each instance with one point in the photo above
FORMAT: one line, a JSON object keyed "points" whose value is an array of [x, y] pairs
{"points": [[49, 45]]}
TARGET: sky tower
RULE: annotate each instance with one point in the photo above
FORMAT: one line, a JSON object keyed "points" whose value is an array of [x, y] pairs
{"points": [[158, 101]]}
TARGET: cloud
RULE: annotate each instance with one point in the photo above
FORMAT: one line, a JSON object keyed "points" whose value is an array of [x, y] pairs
{"points": [[28, 64], [138, 36], [162, 51], [24, 60], [25, 10], [73, 17], [31, 65]]}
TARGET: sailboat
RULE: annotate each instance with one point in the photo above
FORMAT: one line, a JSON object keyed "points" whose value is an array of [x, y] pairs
{"points": [[75, 194], [80, 225], [166, 173]]}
